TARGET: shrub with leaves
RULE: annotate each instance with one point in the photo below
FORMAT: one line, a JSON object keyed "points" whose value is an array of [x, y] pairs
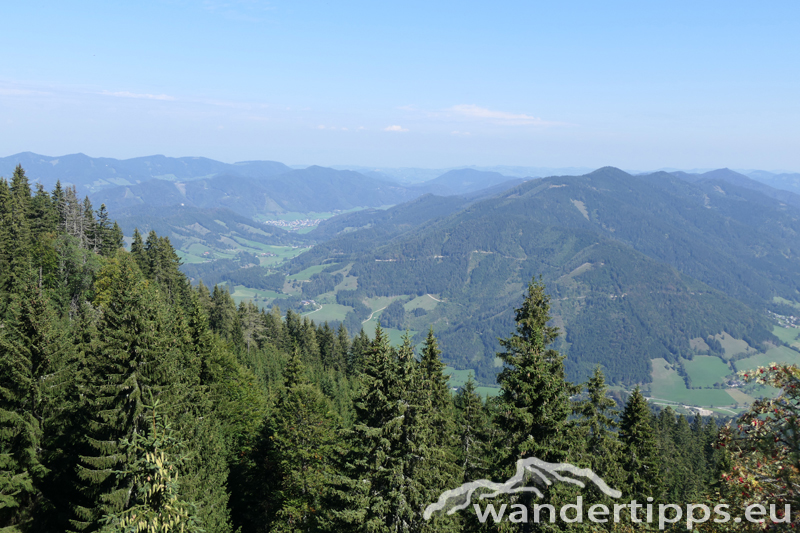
{"points": [[764, 447]]}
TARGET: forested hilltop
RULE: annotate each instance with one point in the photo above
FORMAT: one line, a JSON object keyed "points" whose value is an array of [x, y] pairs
{"points": [[130, 401]]}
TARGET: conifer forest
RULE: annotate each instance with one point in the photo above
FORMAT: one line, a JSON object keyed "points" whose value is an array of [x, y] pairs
{"points": [[132, 400]]}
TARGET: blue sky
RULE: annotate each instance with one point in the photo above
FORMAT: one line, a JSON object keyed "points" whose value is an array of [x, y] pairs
{"points": [[638, 85]]}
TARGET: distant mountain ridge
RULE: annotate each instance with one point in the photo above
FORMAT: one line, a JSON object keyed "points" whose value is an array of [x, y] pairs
{"points": [[466, 180], [91, 174], [729, 176], [314, 189]]}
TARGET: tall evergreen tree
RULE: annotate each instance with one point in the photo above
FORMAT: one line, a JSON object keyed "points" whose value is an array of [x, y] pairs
{"points": [[138, 251], [597, 426], [639, 457], [472, 426], [155, 505], [302, 440], [535, 395], [366, 495], [30, 345], [137, 358]]}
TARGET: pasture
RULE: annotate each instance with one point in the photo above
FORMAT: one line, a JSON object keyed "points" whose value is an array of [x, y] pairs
{"points": [[706, 370], [668, 385]]}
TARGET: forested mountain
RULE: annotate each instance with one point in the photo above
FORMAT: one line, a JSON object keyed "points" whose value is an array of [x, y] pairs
{"points": [[740, 180], [213, 226], [788, 181], [90, 174], [132, 401], [313, 189], [637, 266], [466, 180]]}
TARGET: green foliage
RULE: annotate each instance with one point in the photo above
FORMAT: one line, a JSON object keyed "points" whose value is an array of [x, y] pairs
{"points": [[131, 402], [534, 392], [31, 346], [154, 501], [639, 457]]}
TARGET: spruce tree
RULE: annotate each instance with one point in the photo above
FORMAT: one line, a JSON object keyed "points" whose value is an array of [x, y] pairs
{"points": [[434, 466], [156, 456], [15, 234], [30, 345], [364, 496], [136, 358], [640, 453], [302, 441], [471, 424], [535, 395], [596, 423], [138, 252]]}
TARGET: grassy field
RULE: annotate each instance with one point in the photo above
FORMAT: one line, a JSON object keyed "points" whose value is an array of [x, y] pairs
{"points": [[379, 302], [787, 335], [781, 354], [329, 312], [296, 215], [458, 378], [740, 397], [425, 301], [732, 346], [307, 273], [706, 370], [779, 300], [260, 297], [487, 392], [668, 385]]}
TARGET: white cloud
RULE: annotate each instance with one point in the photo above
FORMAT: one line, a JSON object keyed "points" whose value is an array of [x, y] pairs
{"points": [[500, 117], [394, 128], [126, 94]]}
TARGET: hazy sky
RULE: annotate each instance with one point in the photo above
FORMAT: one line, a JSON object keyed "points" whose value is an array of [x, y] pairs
{"points": [[435, 84]]}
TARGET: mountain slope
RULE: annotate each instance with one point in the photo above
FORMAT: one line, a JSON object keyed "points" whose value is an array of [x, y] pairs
{"points": [[637, 266], [312, 189], [204, 225]]}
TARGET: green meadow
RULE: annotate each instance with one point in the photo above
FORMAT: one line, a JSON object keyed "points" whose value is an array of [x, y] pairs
{"points": [[706, 370], [668, 385]]}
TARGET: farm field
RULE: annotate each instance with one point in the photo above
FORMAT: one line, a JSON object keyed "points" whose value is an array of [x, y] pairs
{"points": [[733, 346], [740, 397], [487, 392], [779, 300], [328, 313], [706, 370], [668, 385], [306, 274], [425, 301], [260, 297], [395, 335], [781, 354], [458, 378], [787, 335]]}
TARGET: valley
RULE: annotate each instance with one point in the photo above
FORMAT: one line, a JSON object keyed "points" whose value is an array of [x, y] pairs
{"points": [[671, 282]]}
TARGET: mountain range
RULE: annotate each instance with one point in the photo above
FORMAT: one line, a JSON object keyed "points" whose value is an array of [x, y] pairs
{"points": [[639, 267], [267, 187]]}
